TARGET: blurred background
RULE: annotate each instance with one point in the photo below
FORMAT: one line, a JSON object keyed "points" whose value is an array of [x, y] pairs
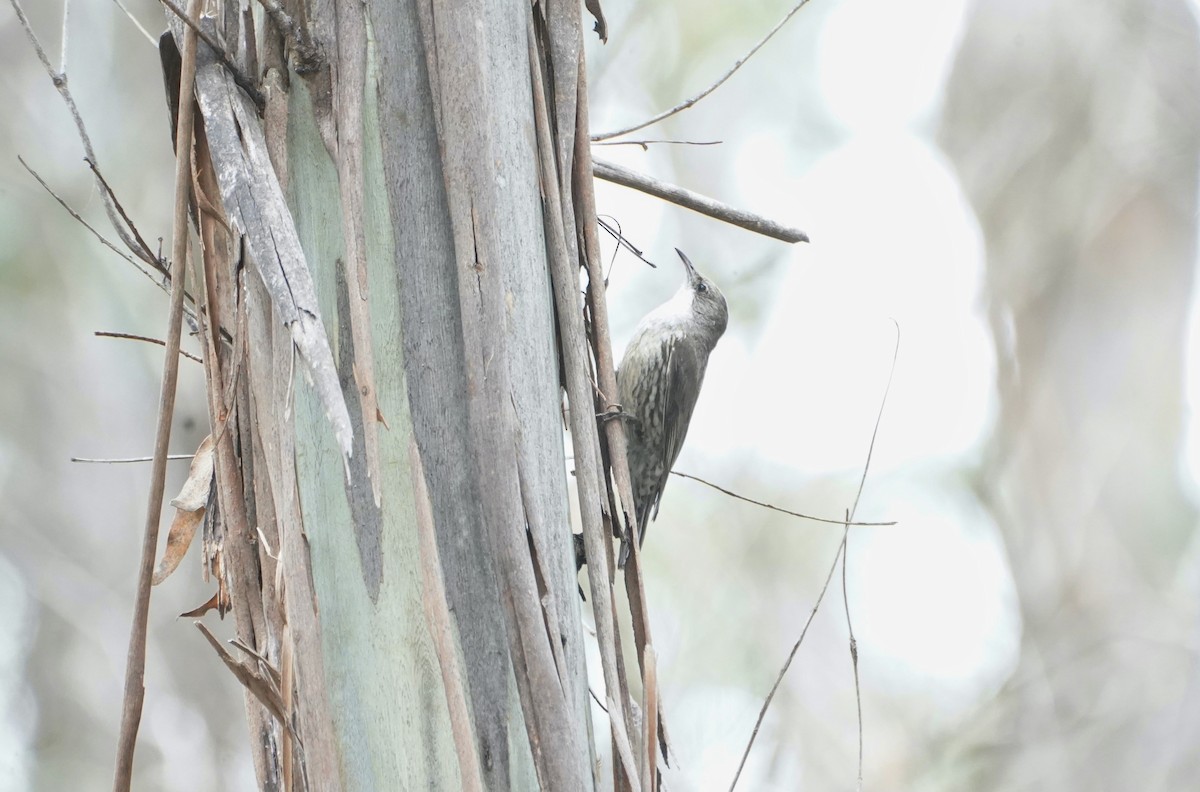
{"points": [[1012, 183]]}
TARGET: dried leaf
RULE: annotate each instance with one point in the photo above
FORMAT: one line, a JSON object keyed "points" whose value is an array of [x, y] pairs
{"points": [[183, 528], [194, 495], [190, 506]]}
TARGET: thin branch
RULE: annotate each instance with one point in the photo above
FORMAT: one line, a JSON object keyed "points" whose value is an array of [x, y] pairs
{"points": [[853, 649], [147, 339], [762, 713], [841, 548], [66, 34], [596, 699], [170, 458], [878, 418], [684, 105], [645, 144], [617, 174], [165, 285], [153, 41], [721, 489], [60, 83], [135, 669], [616, 234], [121, 210], [103, 240]]}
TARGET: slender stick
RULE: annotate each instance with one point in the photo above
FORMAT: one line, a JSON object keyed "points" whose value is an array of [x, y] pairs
{"points": [[135, 669], [85, 224], [645, 144], [153, 41], [695, 201], [762, 713], [118, 461], [853, 649], [66, 35], [60, 83], [147, 339], [801, 515], [685, 104]]}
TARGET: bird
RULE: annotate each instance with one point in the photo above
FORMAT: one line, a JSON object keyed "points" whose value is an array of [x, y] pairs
{"points": [[658, 383]]}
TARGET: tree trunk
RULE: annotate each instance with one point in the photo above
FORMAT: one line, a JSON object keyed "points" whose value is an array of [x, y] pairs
{"points": [[385, 361]]}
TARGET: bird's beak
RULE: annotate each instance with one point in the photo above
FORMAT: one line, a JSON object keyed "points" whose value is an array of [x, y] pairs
{"points": [[692, 275]]}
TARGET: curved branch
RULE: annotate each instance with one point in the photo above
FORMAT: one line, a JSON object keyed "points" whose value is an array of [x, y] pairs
{"points": [[684, 105]]}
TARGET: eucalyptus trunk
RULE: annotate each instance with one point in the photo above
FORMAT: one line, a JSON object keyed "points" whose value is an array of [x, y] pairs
{"points": [[385, 385]]}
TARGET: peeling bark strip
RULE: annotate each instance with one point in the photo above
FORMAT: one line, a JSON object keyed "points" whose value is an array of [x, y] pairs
{"points": [[256, 208], [476, 55]]}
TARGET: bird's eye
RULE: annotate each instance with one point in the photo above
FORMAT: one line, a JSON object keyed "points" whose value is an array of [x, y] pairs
{"points": [[702, 287]]}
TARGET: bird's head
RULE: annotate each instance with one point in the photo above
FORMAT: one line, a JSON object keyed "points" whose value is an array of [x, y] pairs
{"points": [[708, 304]]}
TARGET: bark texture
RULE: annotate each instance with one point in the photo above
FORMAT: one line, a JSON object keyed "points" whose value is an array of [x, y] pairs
{"points": [[391, 258]]}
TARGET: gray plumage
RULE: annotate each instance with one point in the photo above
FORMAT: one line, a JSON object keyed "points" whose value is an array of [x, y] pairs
{"points": [[659, 381]]}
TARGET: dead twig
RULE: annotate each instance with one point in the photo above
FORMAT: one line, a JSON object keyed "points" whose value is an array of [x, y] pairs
{"points": [[841, 549], [163, 283], [621, 241], [135, 668], [147, 339], [802, 516], [153, 41], [60, 83], [645, 144], [103, 240], [762, 713], [853, 648], [685, 104], [120, 209], [680, 196], [170, 458]]}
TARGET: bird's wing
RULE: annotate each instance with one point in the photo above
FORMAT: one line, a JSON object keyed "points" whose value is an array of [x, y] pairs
{"points": [[684, 372]]}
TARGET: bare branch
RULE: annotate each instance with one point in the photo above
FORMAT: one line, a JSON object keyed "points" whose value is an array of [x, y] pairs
{"points": [[170, 457], [684, 105], [695, 201], [66, 34], [121, 210], [103, 240], [153, 41], [853, 649], [645, 144], [147, 339], [731, 494], [135, 668], [616, 234], [841, 548], [60, 82], [762, 713], [162, 283]]}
